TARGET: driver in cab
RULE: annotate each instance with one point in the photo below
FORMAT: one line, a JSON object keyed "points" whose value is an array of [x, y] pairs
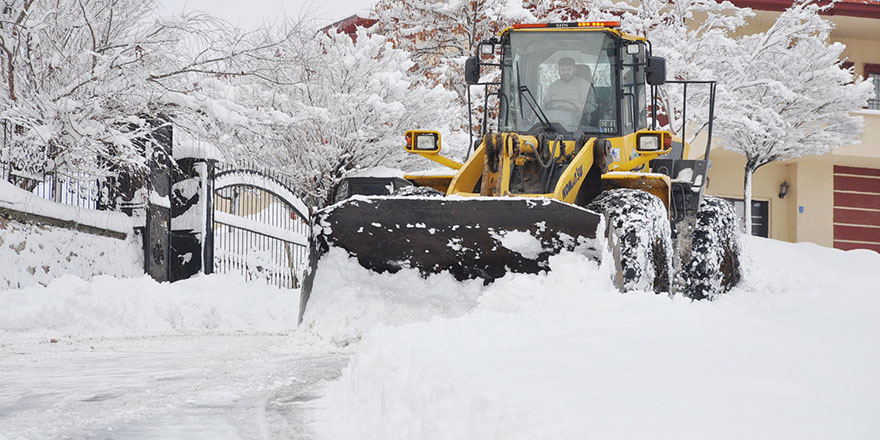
{"points": [[565, 98]]}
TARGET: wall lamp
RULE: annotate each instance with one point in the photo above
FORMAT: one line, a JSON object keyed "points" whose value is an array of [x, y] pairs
{"points": [[783, 189]]}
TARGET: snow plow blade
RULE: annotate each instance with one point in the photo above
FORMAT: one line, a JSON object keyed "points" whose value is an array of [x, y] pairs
{"points": [[467, 237]]}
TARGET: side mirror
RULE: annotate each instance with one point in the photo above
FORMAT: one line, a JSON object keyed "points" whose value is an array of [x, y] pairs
{"points": [[472, 70], [423, 141], [653, 141], [656, 71]]}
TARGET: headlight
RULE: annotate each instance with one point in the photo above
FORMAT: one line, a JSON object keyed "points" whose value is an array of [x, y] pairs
{"points": [[648, 142]]}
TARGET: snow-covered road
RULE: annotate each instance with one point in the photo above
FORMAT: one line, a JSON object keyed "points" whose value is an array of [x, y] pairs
{"points": [[169, 387], [212, 357]]}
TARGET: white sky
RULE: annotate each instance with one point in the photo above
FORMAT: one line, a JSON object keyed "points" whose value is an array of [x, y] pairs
{"points": [[252, 13]]}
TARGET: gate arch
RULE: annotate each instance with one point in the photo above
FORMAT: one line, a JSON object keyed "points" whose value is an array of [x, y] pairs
{"points": [[260, 226]]}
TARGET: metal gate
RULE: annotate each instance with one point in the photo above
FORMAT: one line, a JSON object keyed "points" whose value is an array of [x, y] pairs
{"points": [[260, 226]]}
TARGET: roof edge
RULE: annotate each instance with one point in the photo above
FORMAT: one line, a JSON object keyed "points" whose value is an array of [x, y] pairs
{"points": [[850, 8]]}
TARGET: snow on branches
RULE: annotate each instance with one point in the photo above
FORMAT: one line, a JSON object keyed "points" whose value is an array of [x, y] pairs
{"points": [[792, 95], [789, 93], [349, 108], [85, 81]]}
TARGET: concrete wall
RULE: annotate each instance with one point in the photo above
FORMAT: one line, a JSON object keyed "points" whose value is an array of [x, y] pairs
{"points": [[816, 195], [861, 52], [32, 253], [869, 148]]}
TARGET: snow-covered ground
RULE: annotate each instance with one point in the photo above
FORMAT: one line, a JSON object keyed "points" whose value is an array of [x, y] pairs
{"points": [[788, 354], [72, 309], [210, 357], [164, 387]]}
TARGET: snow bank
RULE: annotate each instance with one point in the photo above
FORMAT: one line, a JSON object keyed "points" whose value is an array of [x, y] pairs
{"points": [[111, 307], [353, 300], [17, 199], [788, 354], [34, 254]]}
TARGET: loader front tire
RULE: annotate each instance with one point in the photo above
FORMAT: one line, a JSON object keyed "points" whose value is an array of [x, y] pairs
{"points": [[713, 265], [639, 236]]}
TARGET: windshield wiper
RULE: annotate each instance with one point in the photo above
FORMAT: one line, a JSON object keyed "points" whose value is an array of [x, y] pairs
{"points": [[533, 103]]}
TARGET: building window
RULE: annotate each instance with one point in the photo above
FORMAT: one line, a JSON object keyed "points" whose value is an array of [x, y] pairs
{"points": [[872, 74], [760, 215]]}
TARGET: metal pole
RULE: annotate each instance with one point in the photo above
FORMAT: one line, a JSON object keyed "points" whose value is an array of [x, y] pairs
{"points": [[485, 110], [470, 124], [711, 118], [684, 107], [653, 108]]}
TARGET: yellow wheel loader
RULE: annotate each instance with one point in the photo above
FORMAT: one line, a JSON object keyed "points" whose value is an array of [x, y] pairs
{"points": [[572, 147]]}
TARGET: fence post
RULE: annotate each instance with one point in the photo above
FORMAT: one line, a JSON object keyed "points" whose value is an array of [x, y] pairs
{"points": [[192, 223]]}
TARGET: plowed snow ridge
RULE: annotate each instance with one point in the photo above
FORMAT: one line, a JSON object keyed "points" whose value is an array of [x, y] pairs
{"points": [[787, 354]]}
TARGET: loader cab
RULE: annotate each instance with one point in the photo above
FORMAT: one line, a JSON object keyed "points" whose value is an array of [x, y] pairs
{"points": [[571, 80]]}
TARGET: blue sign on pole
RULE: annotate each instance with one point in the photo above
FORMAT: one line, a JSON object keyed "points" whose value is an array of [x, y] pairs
{"points": [[800, 209]]}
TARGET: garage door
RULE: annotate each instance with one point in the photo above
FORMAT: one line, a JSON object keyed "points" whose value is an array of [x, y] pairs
{"points": [[856, 208]]}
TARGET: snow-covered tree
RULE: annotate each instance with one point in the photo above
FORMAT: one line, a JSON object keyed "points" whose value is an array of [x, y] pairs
{"points": [[85, 81], [791, 94], [691, 35], [348, 111], [63, 67], [441, 34]]}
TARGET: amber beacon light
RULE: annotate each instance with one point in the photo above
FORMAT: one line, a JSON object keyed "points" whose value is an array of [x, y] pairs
{"points": [[569, 24]]}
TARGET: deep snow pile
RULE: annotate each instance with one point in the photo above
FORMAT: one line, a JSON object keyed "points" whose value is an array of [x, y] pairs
{"points": [[790, 353], [111, 307], [351, 300], [35, 254]]}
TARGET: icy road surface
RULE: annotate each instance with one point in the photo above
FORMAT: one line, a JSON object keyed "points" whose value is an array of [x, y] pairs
{"points": [[164, 387], [207, 358]]}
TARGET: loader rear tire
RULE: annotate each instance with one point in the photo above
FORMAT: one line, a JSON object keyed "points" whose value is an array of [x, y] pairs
{"points": [[640, 239], [713, 264]]}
